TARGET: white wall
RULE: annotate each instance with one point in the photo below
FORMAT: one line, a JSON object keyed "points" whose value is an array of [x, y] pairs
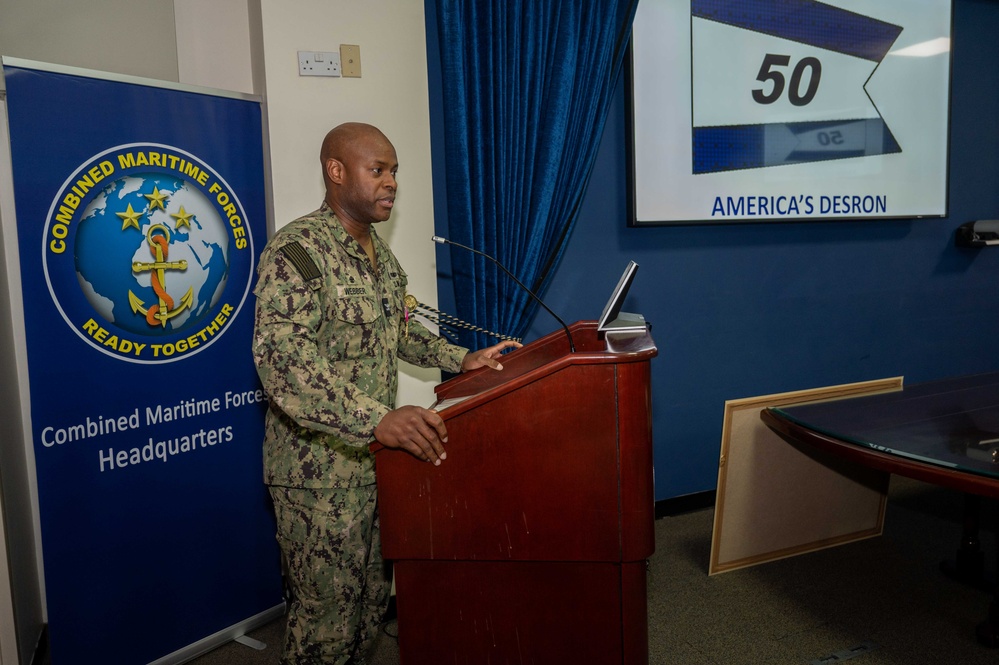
{"points": [[213, 44], [134, 37]]}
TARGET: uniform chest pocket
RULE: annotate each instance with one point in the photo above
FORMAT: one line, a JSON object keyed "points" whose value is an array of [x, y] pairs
{"points": [[357, 310]]}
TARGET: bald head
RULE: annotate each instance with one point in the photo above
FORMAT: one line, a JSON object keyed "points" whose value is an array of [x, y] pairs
{"points": [[344, 140]]}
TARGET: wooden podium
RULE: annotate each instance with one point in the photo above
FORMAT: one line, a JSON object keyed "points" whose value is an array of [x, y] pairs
{"points": [[528, 544]]}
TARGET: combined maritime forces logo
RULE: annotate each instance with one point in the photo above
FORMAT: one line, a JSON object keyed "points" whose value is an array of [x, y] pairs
{"points": [[147, 253]]}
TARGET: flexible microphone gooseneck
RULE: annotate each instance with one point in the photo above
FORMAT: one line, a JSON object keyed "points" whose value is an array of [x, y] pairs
{"points": [[441, 241]]}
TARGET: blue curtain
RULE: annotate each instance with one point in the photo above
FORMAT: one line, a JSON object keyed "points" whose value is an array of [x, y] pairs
{"points": [[527, 85]]}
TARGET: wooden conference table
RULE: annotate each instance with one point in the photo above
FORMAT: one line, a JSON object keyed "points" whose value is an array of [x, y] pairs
{"points": [[942, 432]]}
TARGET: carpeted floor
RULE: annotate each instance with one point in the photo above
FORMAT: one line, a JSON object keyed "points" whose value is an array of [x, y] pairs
{"points": [[884, 595]]}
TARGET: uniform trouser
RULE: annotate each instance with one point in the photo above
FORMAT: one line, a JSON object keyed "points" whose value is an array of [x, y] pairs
{"points": [[339, 584]]}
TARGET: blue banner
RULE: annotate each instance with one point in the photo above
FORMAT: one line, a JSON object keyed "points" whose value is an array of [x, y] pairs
{"points": [[140, 217]]}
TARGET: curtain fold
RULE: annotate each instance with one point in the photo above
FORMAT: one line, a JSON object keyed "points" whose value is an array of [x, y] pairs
{"points": [[527, 85]]}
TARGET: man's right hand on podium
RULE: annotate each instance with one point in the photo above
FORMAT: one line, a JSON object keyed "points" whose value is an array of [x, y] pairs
{"points": [[418, 431]]}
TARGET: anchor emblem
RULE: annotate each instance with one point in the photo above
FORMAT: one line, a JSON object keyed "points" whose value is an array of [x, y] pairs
{"points": [[159, 313]]}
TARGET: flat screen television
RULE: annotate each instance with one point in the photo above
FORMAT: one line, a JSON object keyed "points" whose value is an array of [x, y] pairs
{"points": [[773, 110]]}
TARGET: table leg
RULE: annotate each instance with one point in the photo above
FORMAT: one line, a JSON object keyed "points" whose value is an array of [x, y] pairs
{"points": [[968, 566], [988, 631]]}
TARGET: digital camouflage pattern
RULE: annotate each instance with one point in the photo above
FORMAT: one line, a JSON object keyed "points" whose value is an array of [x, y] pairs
{"points": [[327, 352], [331, 537], [328, 335]]}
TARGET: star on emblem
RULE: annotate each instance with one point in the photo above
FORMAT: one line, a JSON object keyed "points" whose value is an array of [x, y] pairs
{"points": [[183, 218], [129, 217], [156, 199]]}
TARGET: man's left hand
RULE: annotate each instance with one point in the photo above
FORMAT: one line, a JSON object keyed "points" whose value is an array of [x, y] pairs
{"points": [[487, 357]]}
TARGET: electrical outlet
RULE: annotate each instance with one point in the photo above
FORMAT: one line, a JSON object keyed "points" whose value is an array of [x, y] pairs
{"points": [[350, 55], [318, 63]]}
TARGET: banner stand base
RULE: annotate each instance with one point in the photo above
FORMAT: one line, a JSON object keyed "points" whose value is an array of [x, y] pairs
{"points": [[246, 640], [233, 633]]}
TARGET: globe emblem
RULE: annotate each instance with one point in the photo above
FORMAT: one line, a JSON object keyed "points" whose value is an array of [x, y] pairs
{"points": [[152, 254]]}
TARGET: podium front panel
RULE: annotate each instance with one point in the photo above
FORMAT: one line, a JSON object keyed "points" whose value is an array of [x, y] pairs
{"points": [[471, 613], [531, 475]]}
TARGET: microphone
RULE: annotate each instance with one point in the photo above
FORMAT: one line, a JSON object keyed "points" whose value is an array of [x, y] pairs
{"points": [[441, 241]]}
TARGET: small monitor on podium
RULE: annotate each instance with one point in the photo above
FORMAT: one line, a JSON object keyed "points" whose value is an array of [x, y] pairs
{"points": [[613, 319]]}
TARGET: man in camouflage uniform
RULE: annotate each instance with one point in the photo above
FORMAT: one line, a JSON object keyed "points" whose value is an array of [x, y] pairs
{"points": [[330, 326]]}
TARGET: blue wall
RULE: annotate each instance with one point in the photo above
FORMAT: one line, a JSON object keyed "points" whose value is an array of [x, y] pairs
{"points": [[753, 309]]}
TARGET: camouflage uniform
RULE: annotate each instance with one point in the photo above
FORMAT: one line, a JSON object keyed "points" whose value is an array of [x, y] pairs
{"points": [[329, 332]]}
